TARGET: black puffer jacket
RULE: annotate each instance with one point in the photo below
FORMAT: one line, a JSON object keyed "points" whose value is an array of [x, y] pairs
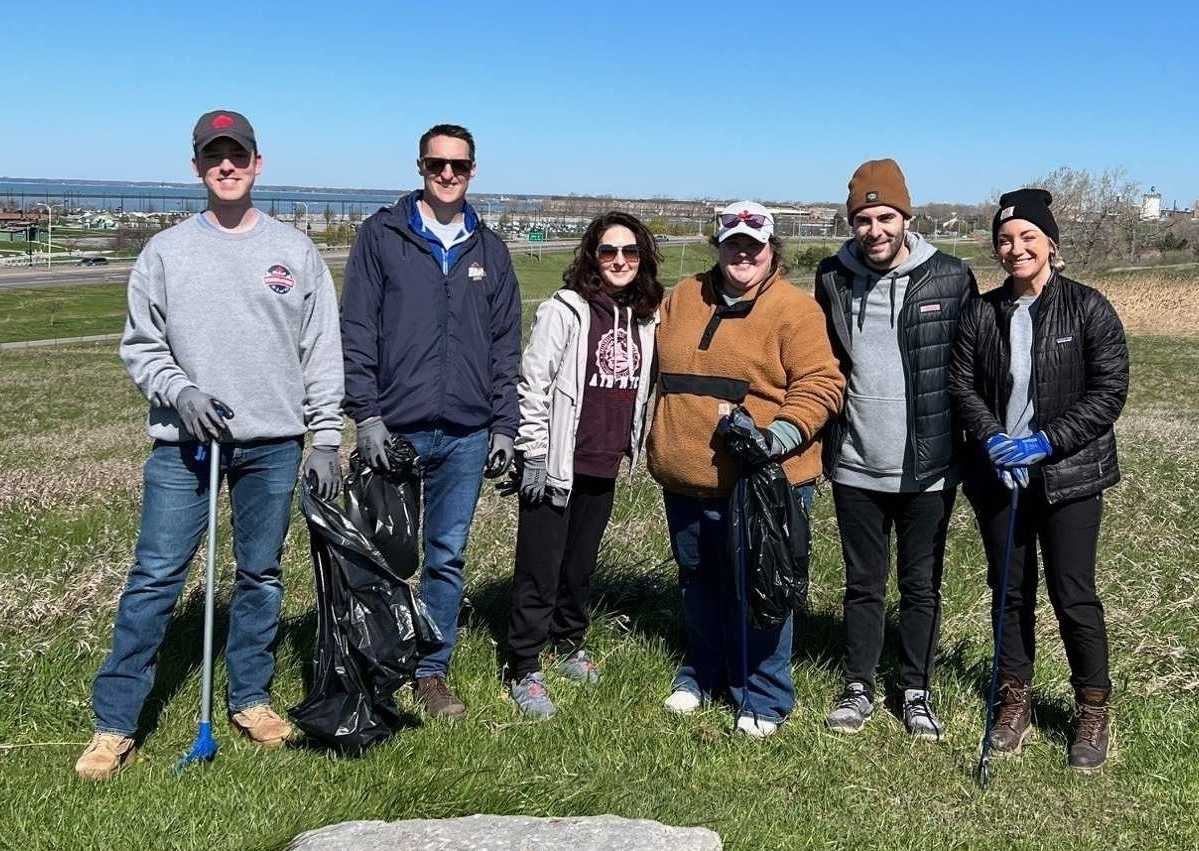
{"points": [[1080, 371], [936, 297]]}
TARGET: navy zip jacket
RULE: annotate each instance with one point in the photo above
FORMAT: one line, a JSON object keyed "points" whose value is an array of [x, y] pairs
{"points": [[430, 336]]}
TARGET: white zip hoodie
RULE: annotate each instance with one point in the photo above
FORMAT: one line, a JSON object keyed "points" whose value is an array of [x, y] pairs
{"points": [[552, 381]]}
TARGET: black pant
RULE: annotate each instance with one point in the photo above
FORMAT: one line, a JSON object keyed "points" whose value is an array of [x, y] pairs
{"points": [[555, 557], [921, 522], [1069, 537]]}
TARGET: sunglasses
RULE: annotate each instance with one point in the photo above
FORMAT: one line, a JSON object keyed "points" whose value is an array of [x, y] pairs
{"points": [[240, 159], [436, 165], [731, 220], [606, 253]]}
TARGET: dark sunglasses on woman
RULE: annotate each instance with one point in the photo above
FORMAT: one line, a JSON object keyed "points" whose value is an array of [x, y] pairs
{"points": [[607, 253], [730, 220]]}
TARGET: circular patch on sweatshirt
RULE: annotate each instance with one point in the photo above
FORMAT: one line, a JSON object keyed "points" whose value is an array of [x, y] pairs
{"points": [[279, 279]]}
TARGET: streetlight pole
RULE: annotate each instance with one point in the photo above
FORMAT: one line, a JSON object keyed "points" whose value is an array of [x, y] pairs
{"points": [[49, 230], [295, 204]]}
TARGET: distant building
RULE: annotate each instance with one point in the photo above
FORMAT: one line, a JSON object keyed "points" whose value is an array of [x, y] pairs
{"points": [[1151, 205]]}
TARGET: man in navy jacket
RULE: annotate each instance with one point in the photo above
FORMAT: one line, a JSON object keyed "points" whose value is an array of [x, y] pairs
{"points": [[431, 336]]}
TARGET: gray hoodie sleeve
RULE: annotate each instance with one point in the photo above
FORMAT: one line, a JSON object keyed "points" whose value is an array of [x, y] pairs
{"points": [[144, 348], [320, 357]]}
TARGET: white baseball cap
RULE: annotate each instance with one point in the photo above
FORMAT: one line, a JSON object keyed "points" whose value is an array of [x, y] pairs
{"points": [[741, 217]]}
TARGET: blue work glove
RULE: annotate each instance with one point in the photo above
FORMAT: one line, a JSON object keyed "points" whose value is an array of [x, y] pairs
{"points": [[997, 445], [1013, 477], [322, 471], [746, 442], [1024, 451]]}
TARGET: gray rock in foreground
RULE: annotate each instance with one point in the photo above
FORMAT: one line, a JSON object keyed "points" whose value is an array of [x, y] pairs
{"points": [[508, 833]]}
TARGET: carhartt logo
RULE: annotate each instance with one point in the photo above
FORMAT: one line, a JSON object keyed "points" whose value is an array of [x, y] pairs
{"points": [[871, 196], [279, 279], [1007, 213], [476, 272], [222, 122]]}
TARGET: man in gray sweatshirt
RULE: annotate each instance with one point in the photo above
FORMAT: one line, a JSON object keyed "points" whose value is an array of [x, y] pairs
{"points": [[232, 333], [893, 303]]}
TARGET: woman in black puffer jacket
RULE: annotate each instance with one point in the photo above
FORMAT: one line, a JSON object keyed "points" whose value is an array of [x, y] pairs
{"points": [[1039, 376]]}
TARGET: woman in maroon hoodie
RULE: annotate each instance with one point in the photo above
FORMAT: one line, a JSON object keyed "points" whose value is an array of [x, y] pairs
{"points": [[585, 379]]}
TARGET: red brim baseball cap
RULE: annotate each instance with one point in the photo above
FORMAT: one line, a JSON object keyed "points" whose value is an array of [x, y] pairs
{"points": [[223, 123]]}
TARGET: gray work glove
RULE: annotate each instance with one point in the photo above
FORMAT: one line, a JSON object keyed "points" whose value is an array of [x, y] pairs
{"points": [[500, 455], [532, 480], [322, 471], [203, 416], [372, 443]]}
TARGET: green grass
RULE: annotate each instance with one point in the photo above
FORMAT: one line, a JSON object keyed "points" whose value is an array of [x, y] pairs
{"points": [[71, 445], [80, 311]]}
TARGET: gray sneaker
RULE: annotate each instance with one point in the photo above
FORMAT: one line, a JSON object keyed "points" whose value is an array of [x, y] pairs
{"points": [[854, 708], [918, 716], [578, 666], [531, 697]]}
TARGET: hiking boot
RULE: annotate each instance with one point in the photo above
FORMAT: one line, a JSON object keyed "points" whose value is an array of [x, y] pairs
{"points": [[755, 728], [105, 755], [682, 702], [854, 708], [1093, 728], [438, 701], [263, 726], [918, 717], [531, 697], [579, 667], [1013, 717]]}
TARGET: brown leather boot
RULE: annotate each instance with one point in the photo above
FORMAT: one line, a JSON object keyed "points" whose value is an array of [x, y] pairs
{"points": [[1013, 718], [1093, 729], [438, 701]]}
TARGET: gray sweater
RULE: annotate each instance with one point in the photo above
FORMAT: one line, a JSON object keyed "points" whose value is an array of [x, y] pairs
{"points": [[250, 318], [874, 453]]}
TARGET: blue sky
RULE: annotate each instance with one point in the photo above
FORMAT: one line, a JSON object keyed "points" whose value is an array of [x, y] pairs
{"points": [[685, 99]]}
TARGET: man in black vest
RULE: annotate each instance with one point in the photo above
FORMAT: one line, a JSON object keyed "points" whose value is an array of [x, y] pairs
{"points": [[892, 302]]}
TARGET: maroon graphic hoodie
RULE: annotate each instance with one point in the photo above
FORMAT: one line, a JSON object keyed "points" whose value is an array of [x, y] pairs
{"points": [[614, 372]]}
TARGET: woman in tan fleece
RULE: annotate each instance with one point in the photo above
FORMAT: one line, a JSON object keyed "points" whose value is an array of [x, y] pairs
{"points": [[737, 334]]}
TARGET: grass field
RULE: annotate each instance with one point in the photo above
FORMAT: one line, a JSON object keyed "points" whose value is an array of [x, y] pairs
{"points": [[71, 446]]}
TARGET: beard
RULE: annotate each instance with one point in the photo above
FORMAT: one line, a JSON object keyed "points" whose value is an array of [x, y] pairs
{"points": [[893, 247]]}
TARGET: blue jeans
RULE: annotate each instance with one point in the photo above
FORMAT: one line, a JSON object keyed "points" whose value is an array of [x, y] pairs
{"points": [[261, 476], [712, 616], [452, 461]]}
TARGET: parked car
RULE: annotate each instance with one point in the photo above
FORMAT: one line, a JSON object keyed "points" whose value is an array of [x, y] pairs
{"points": [[661, 237], [94, 261]]}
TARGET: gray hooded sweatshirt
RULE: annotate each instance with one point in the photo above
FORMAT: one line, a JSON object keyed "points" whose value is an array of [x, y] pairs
{"points": [[874, 453], [250, 318]]}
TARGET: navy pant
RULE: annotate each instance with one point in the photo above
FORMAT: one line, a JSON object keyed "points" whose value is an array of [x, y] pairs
{"points": [[261, 477], [699, 533]]}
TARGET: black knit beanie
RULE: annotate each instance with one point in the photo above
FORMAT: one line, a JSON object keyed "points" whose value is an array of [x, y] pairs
{"points": [[1032, 205]]}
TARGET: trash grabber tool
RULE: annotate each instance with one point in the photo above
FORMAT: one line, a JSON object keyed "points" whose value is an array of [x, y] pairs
{"points": [[204, 747], [984, 758], [742, 568]]}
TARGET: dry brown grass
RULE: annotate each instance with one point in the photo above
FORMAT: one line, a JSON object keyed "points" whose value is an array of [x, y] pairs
{"points": [[1149, 301]]}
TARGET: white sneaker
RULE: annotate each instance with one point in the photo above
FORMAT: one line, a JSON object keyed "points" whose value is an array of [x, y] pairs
{"points": [[682, 702], [756, 728]]}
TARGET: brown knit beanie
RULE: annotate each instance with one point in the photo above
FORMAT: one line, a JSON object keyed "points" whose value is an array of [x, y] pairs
{"points": [[878, 182]]}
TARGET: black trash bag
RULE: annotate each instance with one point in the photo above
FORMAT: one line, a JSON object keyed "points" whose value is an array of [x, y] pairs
{"points": [[768, 532], [386, 504], [371, 629]]}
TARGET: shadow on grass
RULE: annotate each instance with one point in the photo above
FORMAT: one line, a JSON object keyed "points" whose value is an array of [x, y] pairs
{"points": [[179, 658]]}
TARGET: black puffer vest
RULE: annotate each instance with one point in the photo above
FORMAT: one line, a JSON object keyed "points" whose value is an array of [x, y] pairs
{"points": [[1080, 372], [936, 295]]}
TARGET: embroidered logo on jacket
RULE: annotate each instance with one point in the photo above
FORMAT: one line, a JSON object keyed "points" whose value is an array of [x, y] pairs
{"points": [[476, 272], [1069, 339], [617, 362], [279, 279], [930, 308]]}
